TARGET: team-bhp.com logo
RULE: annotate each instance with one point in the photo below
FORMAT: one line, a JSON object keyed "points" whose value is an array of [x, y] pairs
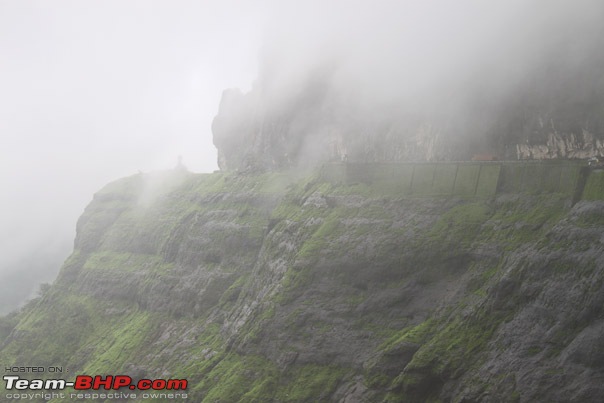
{"points": [[85, 382], [96, 383]]}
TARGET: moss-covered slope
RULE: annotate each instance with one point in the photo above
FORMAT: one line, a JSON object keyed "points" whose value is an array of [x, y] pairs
{"points": [[270, 287]]}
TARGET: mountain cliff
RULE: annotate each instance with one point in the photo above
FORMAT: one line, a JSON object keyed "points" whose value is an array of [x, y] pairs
{"points": [[536, 93], [401, 282]]}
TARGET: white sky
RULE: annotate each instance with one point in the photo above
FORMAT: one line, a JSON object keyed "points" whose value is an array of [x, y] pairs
{"points": [[91, 91]]}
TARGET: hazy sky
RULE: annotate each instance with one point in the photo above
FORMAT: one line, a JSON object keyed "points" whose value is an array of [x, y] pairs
{"points": [[94, 90], [91, 91]]}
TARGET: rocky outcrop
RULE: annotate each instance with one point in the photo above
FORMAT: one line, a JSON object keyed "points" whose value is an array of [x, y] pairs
{"points": [[551, 109], [249, 138], [316, 127], [562, 146]]}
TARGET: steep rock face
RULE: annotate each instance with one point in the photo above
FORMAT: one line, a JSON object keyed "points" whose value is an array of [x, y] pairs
{"points": [[316, 125], [553, 109], [162, 252], [573, 146], [275, 288]]}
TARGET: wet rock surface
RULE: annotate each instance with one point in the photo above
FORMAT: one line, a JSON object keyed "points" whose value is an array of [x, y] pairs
{"points": [[310, 291]]}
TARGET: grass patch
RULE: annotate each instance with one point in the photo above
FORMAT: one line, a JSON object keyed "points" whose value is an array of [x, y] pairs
{"points": [[461, 224], [594, 187], [311, 383]]}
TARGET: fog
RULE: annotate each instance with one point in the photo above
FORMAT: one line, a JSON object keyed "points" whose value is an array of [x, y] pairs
{"points": [[426, 54], [411, 80], [91, 91]]}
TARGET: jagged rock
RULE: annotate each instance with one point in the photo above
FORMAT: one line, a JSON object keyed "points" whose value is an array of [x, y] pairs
{"points": [[562, 145]]}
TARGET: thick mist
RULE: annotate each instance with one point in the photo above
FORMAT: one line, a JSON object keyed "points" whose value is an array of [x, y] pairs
{"points": [[414, 52], [416, 81], [93, 91]]}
